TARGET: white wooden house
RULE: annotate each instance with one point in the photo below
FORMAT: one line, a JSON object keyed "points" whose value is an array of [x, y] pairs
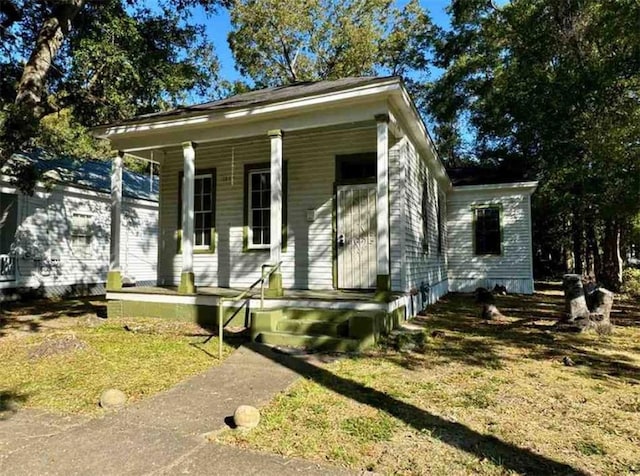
{"points": [[55, 242], [335, 188]]}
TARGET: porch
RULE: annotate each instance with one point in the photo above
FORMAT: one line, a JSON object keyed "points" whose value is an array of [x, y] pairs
{"points": [[333, 320]]}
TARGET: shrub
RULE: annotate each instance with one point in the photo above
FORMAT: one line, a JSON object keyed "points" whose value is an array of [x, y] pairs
{"points": [[631, 282]]}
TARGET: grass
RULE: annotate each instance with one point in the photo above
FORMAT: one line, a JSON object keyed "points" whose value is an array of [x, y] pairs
{"points": [[65, 364], [483, 399]]}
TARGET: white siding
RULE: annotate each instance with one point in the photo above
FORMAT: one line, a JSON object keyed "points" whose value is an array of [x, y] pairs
{"points": [[413, 268], [43, 242], [310, 158], [512, 267]]}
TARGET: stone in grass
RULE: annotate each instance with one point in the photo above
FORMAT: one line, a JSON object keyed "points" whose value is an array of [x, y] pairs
{"points": [[112, 398], [246, 417]]}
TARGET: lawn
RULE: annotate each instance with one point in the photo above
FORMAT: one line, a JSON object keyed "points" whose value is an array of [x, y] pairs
{"points": [[477, 398], [59, 356]]}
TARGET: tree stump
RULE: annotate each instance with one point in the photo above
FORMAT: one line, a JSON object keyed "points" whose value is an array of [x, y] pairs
{"points": [[574, 299]]}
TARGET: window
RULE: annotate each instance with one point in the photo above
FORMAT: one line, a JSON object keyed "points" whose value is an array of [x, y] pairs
{"points": [[204, 213], [487, 231], [259, 208], [8, 221], [356, 168], [81, 235], [440, 224], [425, 216]]}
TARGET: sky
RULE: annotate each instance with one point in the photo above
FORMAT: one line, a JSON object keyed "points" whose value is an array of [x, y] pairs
{"points": [[219, 25]]}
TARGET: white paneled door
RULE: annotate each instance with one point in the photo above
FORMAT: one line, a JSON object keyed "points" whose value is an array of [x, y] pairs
{"points": [[356, 236]]}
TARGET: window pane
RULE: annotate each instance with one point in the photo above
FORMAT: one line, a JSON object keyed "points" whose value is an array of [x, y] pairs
{"points": [[206, 185], [198, 186], [255, 181], [207, 237], [206, 221], [266, 199], [266, 218], [198, 221], [198, 239], [197, 205], [256, 219], [206, 201], [487, 236], [266, 236], [255, 200]]}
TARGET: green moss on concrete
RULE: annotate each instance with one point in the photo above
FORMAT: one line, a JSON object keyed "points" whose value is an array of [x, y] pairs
{"points": [[264, 321], [187, 283], [365, 328], [383, 283], [114, 280], [204, 316], [275, 286]]}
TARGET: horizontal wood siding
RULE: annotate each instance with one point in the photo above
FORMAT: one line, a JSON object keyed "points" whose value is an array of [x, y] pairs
{"points": [[43, 240], [424, 271], [308, 259], [512, 267]]}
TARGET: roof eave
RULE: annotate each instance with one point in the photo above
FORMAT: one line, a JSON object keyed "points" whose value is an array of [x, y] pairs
{"points": [[526, 187]]}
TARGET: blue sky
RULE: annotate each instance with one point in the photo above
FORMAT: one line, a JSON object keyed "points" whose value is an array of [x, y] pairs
{"points": [[218, 27]]}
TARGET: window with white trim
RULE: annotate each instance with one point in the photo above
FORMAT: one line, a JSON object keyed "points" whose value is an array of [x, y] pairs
{"points": [[203, 198], [259, 212], [81, 235], [488, 237]]}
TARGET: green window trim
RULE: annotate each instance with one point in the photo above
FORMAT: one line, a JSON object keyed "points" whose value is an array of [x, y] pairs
{"points": [[499, 208], [212, 246], [248, 168]]}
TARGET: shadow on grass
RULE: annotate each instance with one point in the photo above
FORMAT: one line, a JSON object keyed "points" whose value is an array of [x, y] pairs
{"points": [[31, 314], [9, 403], [475, 342], [506, 455]]}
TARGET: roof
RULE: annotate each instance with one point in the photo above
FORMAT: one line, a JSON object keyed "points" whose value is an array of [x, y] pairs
{"points": [[264, 96], [89, 174], [475, 175]]}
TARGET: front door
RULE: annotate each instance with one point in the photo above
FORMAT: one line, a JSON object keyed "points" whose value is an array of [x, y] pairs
{"points": [[356, 236]]}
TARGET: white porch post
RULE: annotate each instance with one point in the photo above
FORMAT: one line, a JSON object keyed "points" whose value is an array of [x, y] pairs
{"points": [[383, 282], [114, 276], [275, 280], [187, 279]]}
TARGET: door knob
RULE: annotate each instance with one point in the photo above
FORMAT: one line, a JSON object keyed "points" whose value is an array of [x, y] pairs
{"points": [[341, 241]]}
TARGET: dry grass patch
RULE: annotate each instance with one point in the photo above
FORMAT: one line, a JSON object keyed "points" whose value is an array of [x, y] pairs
{"points": [[64, 368], [483, 399]]}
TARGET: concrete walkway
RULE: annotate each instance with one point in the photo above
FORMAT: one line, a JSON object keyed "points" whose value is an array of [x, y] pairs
{"points": [[165, 434]]}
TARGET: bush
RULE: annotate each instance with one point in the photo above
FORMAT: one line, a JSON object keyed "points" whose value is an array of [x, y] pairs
{"points": [[631, 282]]}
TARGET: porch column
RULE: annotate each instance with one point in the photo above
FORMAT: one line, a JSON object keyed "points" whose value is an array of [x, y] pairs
{"points": [[114, 276], [275, 280], [187, 279], [383, 282]]}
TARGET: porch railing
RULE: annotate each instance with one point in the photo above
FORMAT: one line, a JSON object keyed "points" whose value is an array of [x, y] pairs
{"points": [[7, 268], [244, 294]]}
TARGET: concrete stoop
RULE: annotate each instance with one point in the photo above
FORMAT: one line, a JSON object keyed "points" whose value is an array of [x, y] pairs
{"points": [[317, 329]]}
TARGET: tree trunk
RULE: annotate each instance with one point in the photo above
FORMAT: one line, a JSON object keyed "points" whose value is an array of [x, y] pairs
{"points": [[611, 260], [578, 242], [594, 249], [52, 33], [23, 117]]}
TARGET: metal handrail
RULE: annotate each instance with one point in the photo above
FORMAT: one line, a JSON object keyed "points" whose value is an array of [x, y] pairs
{"points": [[241, 296]]}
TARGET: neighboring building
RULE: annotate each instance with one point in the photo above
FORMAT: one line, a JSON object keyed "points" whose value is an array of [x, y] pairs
{"points": [[339, 182], [55, 242]]}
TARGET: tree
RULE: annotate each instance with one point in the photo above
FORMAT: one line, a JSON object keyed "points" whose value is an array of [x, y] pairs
{"points": [[95, 61], [276, 42], [550, 88]]}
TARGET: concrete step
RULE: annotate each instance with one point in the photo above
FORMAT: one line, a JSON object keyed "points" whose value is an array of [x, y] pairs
{"points": [[314, 328], [326, 315], [322, 342]]}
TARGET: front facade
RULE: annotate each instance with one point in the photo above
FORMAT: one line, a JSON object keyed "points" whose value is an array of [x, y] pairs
{"points": [[331, 187], [55, 242]]}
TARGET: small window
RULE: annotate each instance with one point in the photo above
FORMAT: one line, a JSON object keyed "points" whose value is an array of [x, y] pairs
{"points": [[487, 231], [425, 216], [356, 168], [259, 208], [203, 210], [81, 235]]}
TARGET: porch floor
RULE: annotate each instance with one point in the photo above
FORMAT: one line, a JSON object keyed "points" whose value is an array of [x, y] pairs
{"points": [[303, 294]]}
